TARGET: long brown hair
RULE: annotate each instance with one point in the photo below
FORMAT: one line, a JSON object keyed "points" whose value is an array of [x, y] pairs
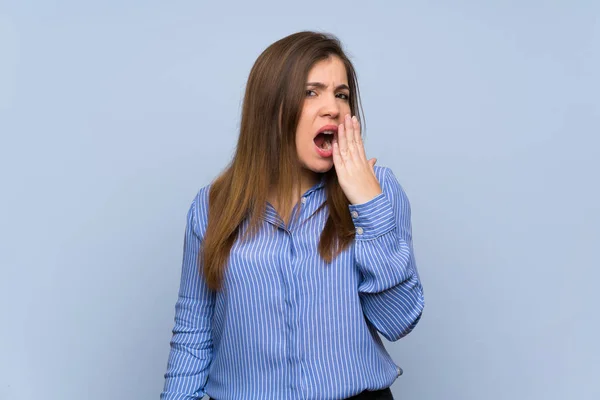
{"points": [[266, 155]]}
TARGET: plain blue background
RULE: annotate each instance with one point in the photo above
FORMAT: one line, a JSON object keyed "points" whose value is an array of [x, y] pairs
{"points": [[113, 114]]}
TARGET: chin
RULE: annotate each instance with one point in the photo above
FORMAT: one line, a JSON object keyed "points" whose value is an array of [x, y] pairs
{"points": [[321, 167]]}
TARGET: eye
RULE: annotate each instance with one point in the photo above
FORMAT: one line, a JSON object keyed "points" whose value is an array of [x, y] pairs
{"points": [[308, 92], [344, 96]]}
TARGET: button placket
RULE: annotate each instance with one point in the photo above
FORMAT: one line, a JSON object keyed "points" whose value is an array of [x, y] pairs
{"points": [[291, 316]]}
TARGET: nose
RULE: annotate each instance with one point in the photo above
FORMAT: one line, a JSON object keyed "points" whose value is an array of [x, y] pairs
{"points": [[330, 107]]}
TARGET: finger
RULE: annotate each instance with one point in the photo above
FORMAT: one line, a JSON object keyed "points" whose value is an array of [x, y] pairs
{"points": [[349, 130], [337, 157], [358, 140], [372, 162], [342, 142], [356, 127]]}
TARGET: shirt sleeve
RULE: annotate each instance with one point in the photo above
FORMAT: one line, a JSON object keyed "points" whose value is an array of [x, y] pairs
{"points": [[390, 290], [191, 343]]}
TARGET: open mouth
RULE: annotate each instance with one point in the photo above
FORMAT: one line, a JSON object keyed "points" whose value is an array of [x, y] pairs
{"points": [[324, 140]]}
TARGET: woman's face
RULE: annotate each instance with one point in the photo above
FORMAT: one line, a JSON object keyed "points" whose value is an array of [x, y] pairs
{"points": [[325, 105]]}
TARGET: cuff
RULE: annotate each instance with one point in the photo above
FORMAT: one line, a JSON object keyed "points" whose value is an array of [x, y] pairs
{"points": [[373, 218]]}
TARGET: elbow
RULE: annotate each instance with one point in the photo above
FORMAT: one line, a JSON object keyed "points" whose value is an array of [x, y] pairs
{"points": [[407, 324]]}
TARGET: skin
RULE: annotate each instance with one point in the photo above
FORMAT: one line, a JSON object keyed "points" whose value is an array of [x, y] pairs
{"points": [[330, 105]]}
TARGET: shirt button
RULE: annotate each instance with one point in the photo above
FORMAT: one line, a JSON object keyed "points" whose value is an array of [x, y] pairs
{"points": [[354, 214], [303, 200], [359, 230]]}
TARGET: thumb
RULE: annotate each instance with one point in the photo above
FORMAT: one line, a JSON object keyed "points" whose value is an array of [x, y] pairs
{"points": [[372, 162]]}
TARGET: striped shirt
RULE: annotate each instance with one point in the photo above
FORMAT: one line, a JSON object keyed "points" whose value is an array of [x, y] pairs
{"points": [[288, 325]]}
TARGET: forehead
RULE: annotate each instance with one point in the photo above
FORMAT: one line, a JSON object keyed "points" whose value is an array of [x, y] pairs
{"points": [[331, 70]]}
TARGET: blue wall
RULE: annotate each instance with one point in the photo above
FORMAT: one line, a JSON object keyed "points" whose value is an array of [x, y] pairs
{"points": [[113, 114]]}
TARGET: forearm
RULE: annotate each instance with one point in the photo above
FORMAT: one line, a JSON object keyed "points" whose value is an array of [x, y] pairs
{"points": [[390, 288]]}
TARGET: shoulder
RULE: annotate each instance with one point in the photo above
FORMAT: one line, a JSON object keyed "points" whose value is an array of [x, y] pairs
{"points": [[387, 179], [381, 173], [197, 215], [390, 184]]}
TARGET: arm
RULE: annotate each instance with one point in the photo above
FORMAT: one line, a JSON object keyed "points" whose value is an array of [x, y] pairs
{"points": [[191, 343], [390, 290]]}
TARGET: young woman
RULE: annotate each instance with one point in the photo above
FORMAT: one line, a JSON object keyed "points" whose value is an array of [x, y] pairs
{"points": [[299, 254]]}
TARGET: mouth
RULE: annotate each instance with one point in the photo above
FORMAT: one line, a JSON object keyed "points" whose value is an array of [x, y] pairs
{"points": [[324, 137]]}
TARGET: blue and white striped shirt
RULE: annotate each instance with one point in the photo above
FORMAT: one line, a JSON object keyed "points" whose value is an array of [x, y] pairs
{"points": [[287, 325]]}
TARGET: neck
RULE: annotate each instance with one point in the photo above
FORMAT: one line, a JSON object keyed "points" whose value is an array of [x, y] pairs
{"points": [[308, 180]]}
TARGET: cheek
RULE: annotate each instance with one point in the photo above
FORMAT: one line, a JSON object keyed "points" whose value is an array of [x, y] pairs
{"points": [[345, 109], [304, 131], [303, 138]]}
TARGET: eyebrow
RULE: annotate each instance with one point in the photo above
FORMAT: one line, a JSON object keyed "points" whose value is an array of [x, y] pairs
{"points": [[321, 85]]}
